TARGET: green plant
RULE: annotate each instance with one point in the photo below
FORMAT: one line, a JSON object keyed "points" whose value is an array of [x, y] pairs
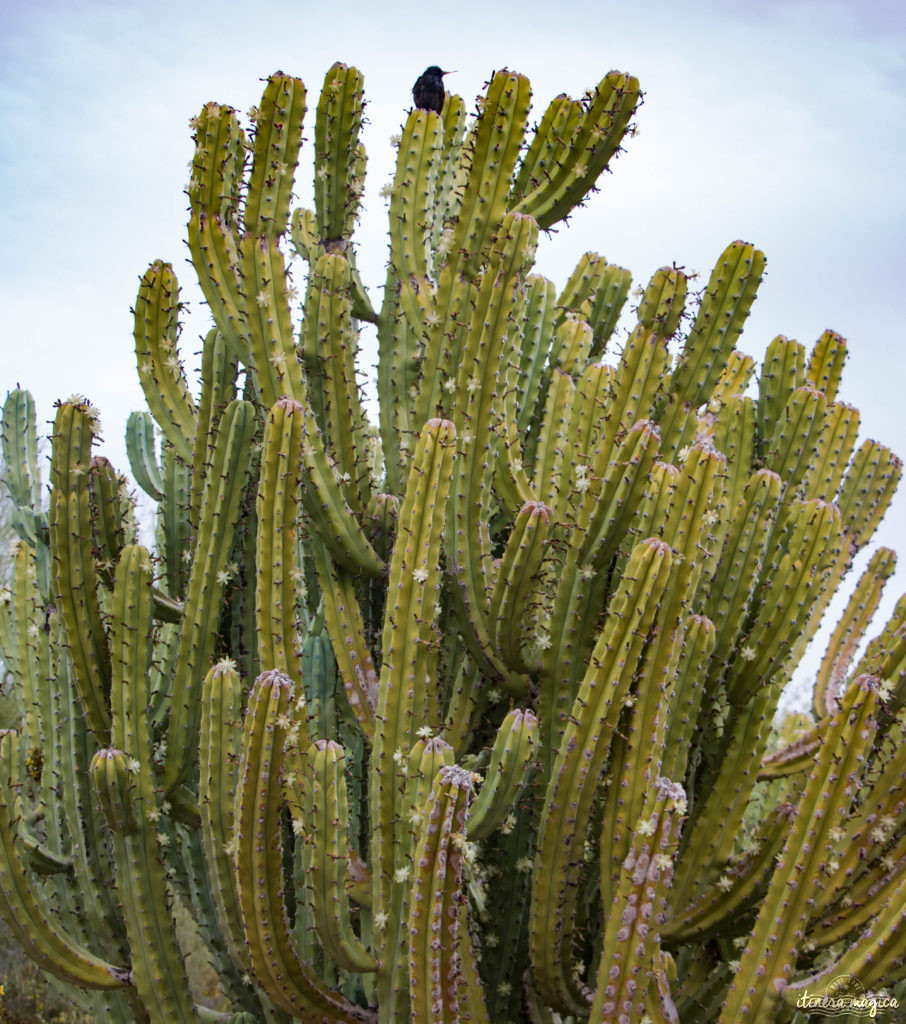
{"points": [[458, 716]]}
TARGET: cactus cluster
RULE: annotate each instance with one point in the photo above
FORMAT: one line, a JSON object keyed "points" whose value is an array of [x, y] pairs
{"points": [[464, 715]]}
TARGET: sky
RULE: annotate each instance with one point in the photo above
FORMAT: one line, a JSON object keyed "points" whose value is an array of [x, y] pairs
{"points": [[780, 123]]}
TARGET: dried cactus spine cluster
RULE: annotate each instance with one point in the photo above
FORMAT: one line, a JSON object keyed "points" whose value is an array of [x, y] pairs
{"points": [[462, 715]]}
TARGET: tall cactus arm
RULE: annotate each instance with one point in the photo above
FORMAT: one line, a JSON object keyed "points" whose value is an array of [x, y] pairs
{"points": [[490, 153], [412, 200], [278, 135], [23, 910], [515, 583], [338, 176], [850, 629], [511, 762], [219, 369], [277, 511], [328, 341], [273, 349], [875, 958], [581, 161], [434, 914], [159, 370], [221, 715], [579, 760], [328, 838], [837, 443], [767, 961], [867, 490], [782, 372], [629, 949], [322, 496], [219, 514], [717, 326], [343, 618], [124, 779], [140, 449], [75, 577], [409, 643], [20, 450], [721, 908], [216, 261], [825, 365], [285, 977]]}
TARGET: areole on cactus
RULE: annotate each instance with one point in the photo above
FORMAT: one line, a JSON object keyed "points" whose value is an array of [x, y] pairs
{"points": [[465, 714]]}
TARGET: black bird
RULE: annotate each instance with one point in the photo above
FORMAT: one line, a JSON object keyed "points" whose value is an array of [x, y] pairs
{"points": [[428, 91]]}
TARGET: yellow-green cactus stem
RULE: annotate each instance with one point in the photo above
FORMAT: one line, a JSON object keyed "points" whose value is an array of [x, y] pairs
{"points": [[825, 365], [468, 548], [515, 583], [277, 966], [277, 506], [507, 774], [549, 471], [18, 436], [630, 945], [663, 302], [140, 448], [329, 352], [343, 618], [490, 153], [278, 134], [174, 523], [218, 162], [216, 259], [731, 588], [721, 908], [413, 194], [767, 960], [326, 507], [277, 369], [128, 775], [850, 629], [23, 909], [107, 496], [337, 128], [328, 840], [113, 783], [219, 750], [594, 141], [572, 345], [867, 490], [219, 369], [796, 437], [782, 372], [75, 576], [582, 751], [410, 643], [159, 370], [219, 514], [717, 326], [548, 145], [434, 914]]}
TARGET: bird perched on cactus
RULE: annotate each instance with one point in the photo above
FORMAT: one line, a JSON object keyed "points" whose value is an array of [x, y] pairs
{"points": [[428, 91]]}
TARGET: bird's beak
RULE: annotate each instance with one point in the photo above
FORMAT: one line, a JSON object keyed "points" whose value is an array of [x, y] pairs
{"points": [[448, 73]]}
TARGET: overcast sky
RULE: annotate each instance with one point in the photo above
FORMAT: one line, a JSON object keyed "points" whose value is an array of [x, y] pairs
{"points": [[780, 123]]}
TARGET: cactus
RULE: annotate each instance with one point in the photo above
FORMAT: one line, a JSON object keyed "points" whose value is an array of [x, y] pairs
{"points": [[466, 713]]}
